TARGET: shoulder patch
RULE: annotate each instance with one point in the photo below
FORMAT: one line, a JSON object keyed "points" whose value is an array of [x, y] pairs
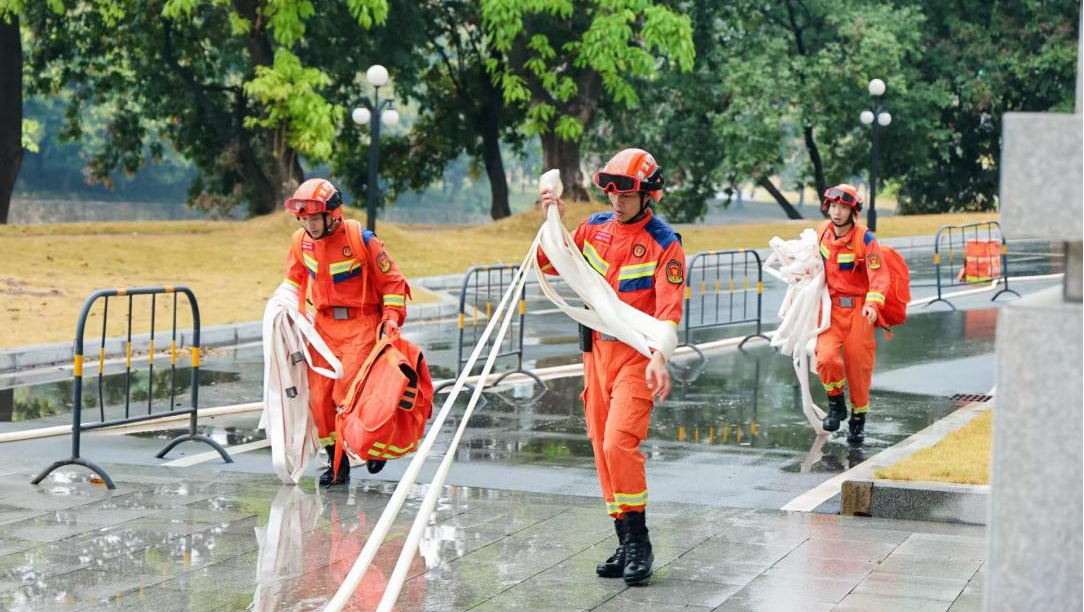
{"points": [[868, 238], [661, 232], [600, 218]]}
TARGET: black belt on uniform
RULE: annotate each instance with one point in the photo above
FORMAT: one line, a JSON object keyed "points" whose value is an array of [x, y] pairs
{"points": [[847, 301]]}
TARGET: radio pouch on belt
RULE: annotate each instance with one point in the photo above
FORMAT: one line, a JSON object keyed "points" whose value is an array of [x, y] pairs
{"points": [[585, 339]]}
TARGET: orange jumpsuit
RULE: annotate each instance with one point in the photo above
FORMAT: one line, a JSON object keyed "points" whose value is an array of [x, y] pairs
{"points": [[645, 264], [854, 278], [353, 294]]}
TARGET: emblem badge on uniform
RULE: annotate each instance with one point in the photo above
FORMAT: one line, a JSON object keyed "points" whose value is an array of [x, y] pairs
{"points": [[383, 262], [675, 272], [639, 250], [873, 261], [347, 252]]}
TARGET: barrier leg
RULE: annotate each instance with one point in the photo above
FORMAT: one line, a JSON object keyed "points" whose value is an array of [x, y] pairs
{"points": [[1005, 290], [466, 385], [688, 375], [537, 380], [940, 299], [195, 438], [90, 465], [741, 346]]}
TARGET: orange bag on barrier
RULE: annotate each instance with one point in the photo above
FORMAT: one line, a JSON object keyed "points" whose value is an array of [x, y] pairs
{"points": [[388, 403], [982, 261]]}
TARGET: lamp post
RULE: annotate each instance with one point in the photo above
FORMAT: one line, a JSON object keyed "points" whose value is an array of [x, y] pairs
{"points": [[374, 111], [876, 116]]}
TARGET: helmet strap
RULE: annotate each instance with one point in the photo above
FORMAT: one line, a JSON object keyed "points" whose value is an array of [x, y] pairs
{"points": [[643, 209]]}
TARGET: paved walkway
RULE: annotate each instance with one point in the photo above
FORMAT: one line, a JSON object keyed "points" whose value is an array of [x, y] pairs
{"points": [[184, 539]]}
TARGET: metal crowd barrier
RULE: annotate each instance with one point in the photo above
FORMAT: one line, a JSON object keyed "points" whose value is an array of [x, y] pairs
{"points": [[482, 289], [720, 284], [78, 426], [953, 240]]}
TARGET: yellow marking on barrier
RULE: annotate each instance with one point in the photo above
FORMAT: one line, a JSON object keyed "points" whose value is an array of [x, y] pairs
{"points": [[936, 258], [128, 356], [78, 367], [474, 317], [745, 283], [718, 285], [1004, 249], [726, 434], [188, 557], [737, 435], [173, 352], [753, 427], [150, 356], [101, 359], [688, 292], [760, 286], [711, 435], [489, 310], [730, 286], [696, 436], [462, 320], [703, 288], [195, 356], [122, 292], [681, 433], [522, 307], [169, 289]]}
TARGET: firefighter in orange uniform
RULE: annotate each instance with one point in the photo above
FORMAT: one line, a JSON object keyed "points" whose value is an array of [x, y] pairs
{"points": [[642, 259], [857, 286], [357, 290]]}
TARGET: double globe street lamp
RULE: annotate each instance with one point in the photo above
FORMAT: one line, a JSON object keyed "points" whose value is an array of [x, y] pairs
{"points": [[374, 111], [876, 116]]}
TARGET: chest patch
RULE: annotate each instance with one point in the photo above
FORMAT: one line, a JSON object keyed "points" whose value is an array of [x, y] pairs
{"points": [[603, 238], [639, 250], [306, 245], [348, 252]]}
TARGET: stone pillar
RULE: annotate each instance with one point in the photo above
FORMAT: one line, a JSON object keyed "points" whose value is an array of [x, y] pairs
{"points": [[1035, 560]]}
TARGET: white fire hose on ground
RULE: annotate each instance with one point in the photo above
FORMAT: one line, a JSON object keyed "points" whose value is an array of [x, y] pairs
{"points": [[287, 334], [605, 313], [806, 310]]}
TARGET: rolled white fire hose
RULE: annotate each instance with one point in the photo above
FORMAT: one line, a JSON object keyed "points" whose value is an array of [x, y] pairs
{"points": [[287, 334], [806, 310]]}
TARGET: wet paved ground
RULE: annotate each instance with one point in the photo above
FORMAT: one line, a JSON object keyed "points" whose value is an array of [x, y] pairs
{"points": [[522, 527], [172, 540]]}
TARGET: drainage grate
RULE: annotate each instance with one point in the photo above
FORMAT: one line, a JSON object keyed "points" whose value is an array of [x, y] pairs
{"points": [[968, 398]]}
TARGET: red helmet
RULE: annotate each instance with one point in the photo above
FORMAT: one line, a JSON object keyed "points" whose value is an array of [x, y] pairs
{"points": [[631, 171], [844, 194], [316, 196]]}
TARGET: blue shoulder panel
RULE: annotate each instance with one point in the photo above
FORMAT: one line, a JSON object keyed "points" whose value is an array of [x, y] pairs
{"points": [[366, 236], [661, 232], [868, 238], [600, 218]]}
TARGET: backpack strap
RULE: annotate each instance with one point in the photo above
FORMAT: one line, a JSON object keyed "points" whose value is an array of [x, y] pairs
{"points": [[302, 291], [357, 244]]}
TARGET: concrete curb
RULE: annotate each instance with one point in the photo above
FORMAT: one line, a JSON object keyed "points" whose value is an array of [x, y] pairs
{"points": [[921, 501]]}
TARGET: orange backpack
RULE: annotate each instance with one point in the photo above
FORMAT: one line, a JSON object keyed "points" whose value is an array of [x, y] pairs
{"points": [[894, 311], [388, 403]]}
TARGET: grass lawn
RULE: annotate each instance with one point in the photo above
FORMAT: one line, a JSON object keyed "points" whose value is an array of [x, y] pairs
{"points": [[233, 266], [963, 457]]}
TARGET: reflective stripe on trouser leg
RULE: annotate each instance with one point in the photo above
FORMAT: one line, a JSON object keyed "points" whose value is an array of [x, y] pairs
{"points": [[859, 356]]}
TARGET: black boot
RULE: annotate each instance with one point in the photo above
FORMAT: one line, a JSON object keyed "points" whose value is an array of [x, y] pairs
{"points": [[614, 567], [375, 465], [837, 411], [330, 477], [638, 555], [857, 425]]}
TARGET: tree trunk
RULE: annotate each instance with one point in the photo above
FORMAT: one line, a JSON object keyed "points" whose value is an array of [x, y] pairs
{"points": [[565, 156], [815, 158], [11, 111], [491, 158], [764, 182]]}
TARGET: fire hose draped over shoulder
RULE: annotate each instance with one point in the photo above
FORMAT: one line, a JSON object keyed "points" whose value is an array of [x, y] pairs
{"points": [[287, 336], [806, 310], [605, 312]]}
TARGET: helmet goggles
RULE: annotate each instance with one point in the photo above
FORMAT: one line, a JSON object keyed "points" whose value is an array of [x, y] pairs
{"points": [[622, 183], [306, 207], [835, 194]]}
